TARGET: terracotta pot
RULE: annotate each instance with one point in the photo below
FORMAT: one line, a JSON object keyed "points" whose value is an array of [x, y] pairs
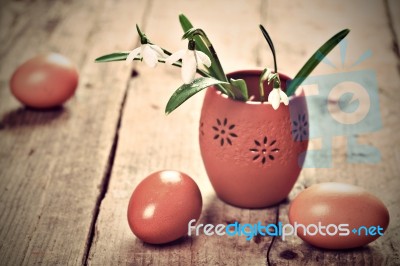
{"points": [[252, 153]]}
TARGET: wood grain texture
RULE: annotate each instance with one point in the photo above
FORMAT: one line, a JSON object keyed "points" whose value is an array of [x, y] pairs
{"points": [[150, 141], [393, 14], [369, 31], [53, 163], [63, 169], [175, 147]]}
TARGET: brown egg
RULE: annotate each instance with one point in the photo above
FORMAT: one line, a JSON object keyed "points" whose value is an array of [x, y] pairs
{"points": [[162, 205], [345, 216], [44, 81]]}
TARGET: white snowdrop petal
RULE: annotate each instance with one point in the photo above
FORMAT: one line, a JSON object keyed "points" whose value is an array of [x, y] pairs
{"points": [[203, 58], [283, 97], [271, 95], [274, 99], [159, 51], [175, 56], [149, 56], [135, 52], [275, 105], [188, 67]]}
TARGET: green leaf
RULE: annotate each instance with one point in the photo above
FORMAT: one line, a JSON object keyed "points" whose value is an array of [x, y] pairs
{"points": [[271, 45], [189, 33], [314, 60], [186, 91], [119, 56], [200, 44], [242, 86], [216, 69], [186, 26]]}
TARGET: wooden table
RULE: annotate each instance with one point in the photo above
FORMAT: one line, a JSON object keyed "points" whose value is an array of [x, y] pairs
{"points": [[66, 175]]}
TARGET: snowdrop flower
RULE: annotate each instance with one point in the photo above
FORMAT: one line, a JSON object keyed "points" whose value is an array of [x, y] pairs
{"points": [[190, 60], [276, 96], [149, 53]]}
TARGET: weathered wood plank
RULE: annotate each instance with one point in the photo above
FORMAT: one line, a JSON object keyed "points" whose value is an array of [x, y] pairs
{"points": [[393, 12], [53, 163], [149, 141], [48, 198], [309, 25]]}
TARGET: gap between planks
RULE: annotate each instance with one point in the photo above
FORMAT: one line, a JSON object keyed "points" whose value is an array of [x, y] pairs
{"points": [[258, 62], [264, 20], [274, 237], [111, 159], [391, 22], [105, 181]]}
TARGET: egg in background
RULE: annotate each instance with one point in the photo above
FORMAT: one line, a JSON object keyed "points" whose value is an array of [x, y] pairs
{"points": [[45, 81]]}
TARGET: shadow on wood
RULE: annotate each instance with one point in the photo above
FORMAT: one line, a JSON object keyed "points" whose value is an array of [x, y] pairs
{"points": [[25, 117]]}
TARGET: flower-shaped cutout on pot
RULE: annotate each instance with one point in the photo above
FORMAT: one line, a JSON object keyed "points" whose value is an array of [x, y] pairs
{"points": [[224, 132], [300, 128], [264, 150]]}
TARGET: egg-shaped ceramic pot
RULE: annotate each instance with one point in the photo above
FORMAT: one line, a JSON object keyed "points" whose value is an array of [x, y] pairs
{"points": [[252, 153]]}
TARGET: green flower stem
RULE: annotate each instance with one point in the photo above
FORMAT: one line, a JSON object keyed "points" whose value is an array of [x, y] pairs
{"points": [[219, 71], [264, 76], [204, 45], [121, 56], [143, 38], [187, 25], [277, 83], [262, 95], [229, 89], [268, 75], [221, 87], [179, 64]]}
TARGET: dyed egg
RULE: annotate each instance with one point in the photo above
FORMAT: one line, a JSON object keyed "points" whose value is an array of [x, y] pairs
{"points": [[338, 216], [162, 205], [44, 81]]}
